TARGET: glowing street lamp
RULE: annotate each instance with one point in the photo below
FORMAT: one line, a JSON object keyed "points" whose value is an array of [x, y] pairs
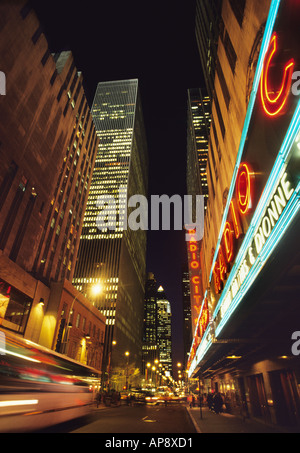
{"points": [[96, 289], [127, 354]]}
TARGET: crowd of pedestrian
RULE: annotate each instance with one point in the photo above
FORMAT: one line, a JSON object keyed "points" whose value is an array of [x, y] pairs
{"points": [[108, 397], [214, 401]]}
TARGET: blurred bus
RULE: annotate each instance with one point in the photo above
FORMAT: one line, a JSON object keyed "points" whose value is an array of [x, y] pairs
{"points": [[39, 387]]}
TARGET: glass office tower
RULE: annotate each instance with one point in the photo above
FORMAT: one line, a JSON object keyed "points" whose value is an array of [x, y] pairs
{"points": [[113, 258], [198, 130], [164, 330]]}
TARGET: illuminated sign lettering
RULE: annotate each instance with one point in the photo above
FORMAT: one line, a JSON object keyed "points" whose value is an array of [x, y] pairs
{"points": [[204, 319], [277, 204], [269, 219], [195, 282], [244, 189], [273, 101], [233, 226]]}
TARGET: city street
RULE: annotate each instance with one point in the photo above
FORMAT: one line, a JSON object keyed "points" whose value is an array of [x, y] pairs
{"points": [[128, 419], [149, 220]]}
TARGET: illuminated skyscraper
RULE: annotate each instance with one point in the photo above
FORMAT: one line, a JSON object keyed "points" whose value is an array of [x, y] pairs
{"points": [[199, 119], [208, 25], [114, 257], [164, 332], [150, 348]]}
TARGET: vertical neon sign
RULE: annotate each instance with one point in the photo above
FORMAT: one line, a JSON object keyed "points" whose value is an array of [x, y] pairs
{"points": [[273, 100]]}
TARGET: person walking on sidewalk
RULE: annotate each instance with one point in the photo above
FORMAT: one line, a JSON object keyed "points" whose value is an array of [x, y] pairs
{"points": [[218, 402], [210, 400]]}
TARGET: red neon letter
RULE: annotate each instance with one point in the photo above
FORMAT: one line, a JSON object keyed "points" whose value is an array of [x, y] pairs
{"points": [[222, 265], [228, 242], [235, 220], [273, 101], [217, 280], [243, 189]]}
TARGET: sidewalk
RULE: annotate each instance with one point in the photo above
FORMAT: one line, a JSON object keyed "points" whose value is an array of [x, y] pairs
{"points": [[227, 423]]}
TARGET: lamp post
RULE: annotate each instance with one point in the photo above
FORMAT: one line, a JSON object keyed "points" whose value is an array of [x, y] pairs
{"points": [[127, 353], [147, 371], [96, 290], [109, 360]]}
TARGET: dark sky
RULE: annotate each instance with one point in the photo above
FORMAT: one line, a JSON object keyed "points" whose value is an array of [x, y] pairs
{"points": [[154, 42]]}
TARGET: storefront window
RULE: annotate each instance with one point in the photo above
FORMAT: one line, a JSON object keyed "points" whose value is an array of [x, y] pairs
{"points": [[14, 308]]}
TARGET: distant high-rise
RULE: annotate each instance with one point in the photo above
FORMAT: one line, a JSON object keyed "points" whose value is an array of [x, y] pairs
{"points": [[115, 257], [150, 348], [208, 16], [164, 331], [199, 120]]}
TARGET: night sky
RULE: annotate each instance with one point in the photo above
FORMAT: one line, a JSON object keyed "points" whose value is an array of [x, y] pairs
{"points": [[154, 42]]}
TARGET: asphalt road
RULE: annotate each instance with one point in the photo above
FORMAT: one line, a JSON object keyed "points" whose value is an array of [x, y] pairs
{"points": [[126, 419]]}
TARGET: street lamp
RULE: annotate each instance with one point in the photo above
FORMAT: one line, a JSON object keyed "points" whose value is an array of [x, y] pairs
{"points": [[95, 290], [127, 353]]}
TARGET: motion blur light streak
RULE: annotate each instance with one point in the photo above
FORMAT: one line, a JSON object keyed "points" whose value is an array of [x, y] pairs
{"points": [[19, 355], [17, 403]]}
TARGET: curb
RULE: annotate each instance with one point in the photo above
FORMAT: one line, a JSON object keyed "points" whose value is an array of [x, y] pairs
{"points": [[196, 426]]}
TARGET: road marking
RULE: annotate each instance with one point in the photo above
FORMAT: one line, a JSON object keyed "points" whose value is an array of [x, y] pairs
{"points": [[145, 419]]}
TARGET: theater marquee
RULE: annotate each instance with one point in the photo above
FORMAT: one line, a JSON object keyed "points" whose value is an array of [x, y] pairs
{"points": [[264, 196]]}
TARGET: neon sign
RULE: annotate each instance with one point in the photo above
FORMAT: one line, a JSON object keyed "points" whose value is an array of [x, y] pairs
{"points": [[242, 205], [195, 282], [250, 240], [252, 259], [201, 329], [274, 101], [204, 319]]}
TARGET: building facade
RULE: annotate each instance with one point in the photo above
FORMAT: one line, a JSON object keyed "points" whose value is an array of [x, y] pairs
{"points": [[245, 342], [110, 254], [208, 14], [72, 325], [48, 148]]}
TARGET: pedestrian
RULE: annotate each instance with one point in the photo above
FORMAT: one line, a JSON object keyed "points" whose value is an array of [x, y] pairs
{"points": [[193, 401], [98, 398], [218, 403], [132, 400], [210, 400]]}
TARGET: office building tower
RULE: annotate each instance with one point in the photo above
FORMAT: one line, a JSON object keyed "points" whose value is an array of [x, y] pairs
{"points": [[208, 14], [58, 245], [112, 255], [150, 348], [164, 330], [198, 130]]}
